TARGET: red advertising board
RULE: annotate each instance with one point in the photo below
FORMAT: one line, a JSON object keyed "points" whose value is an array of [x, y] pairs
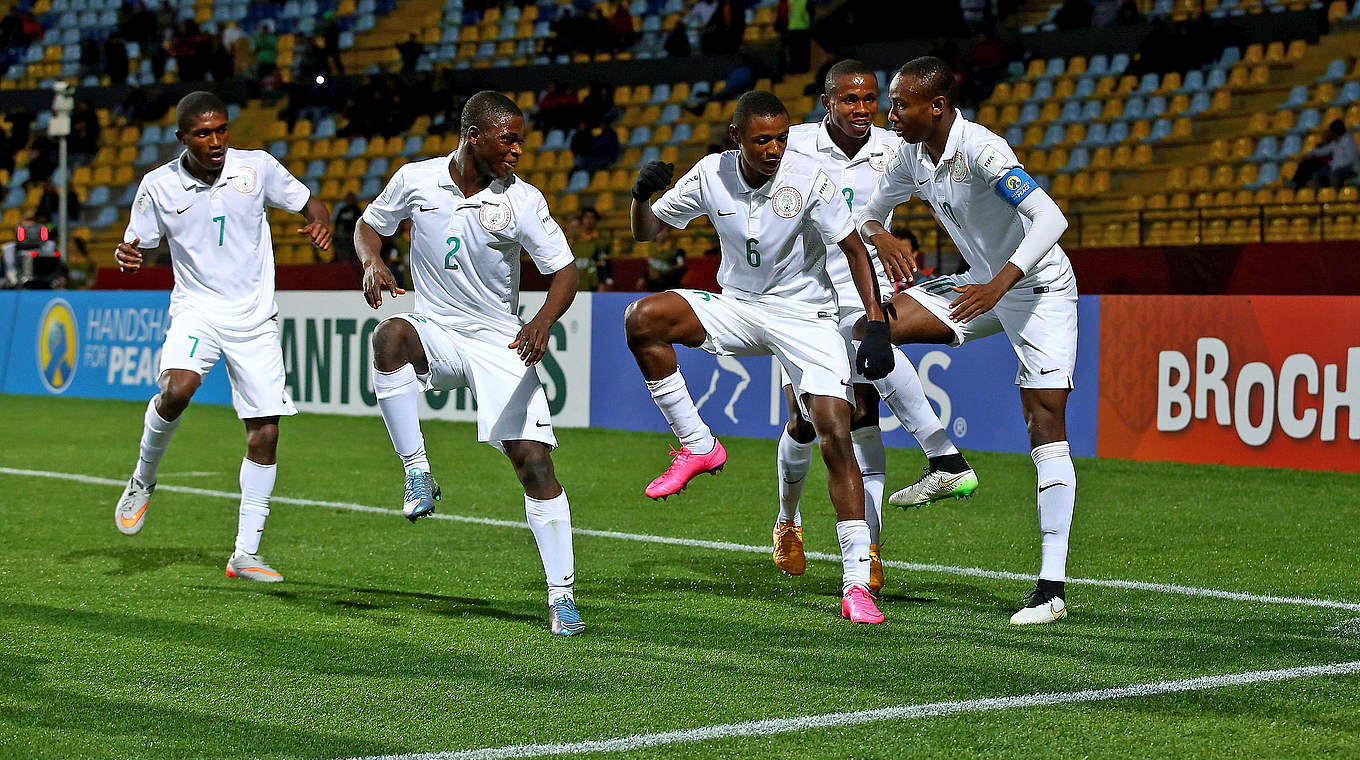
{"points": [[1272, 381]]}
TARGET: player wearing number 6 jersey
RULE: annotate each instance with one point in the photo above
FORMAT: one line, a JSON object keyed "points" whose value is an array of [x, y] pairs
{"points": [[1019, 282], [854, 153], [776, 299], [209, 205], [470, 216]]}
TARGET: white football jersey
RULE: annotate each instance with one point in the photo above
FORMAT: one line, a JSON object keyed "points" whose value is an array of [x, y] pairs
{"points": [[857, 176], [761, 230], [220, 247], [465, 251], [962, 191]]}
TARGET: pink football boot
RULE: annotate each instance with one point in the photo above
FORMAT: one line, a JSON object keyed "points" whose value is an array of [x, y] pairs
{"points": [[859, 607], [684, 466]]}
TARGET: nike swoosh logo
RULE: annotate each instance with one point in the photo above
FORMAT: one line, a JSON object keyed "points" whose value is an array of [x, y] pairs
{"points": [[542, 424], [848, 385], [794, 482], [181, 211], [863, 559], [1051, 485], [1048, 371], [129, 523], [726, 213], [950, 483], [567, 579], [432, 208]]}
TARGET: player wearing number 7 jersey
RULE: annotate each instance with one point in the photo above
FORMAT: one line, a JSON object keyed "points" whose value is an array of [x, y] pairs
{"points": [[776, 299], [209, 205], [1019, 282]]}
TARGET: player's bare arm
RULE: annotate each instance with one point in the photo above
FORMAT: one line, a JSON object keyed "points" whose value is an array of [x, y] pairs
{"points": [[377, 277], [318, 228], [1047, 224], [532, 341], [129, 256], [898, 261], [862, 272], [651, 179]]}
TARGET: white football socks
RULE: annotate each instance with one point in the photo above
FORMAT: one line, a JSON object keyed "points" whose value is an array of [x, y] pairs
{"points": [[398, 400], [550, 521], [156, 434], [1057, 485], [257, 485], [872, 459], [902, 392], [854, 538], [793, 463], [673, 399]]}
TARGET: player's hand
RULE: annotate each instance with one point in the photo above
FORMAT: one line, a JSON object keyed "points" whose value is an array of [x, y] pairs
{"points": [[319, 233], [377, 278], [898, 261], [652, 179], [128, 256], [974, 301], [532, 342], [874, 359]]}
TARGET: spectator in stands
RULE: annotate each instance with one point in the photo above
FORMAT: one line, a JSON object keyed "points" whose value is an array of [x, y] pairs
{"points": [[330, 49], [142, 104], [49, 208], [344, 221], [621, 28], [1104, 13], [410, 52], [91, 57], [725, 29], [793, 21], [83, 142], [1331, 163], [665, 263], [183, 49], [557, 107], [266, 50], [914, 248], [591, 250], [242, 55], [598, 106], [594, 148], [116, 59], [741, 78], [677, 42], [7, 150], [1129, 14], [42, 159]]}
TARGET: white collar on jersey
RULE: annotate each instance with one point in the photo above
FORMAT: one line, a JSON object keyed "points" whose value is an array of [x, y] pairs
{"points": [[825, 143], [766, 189], [446, 178], [951, 146], [189, 181]]}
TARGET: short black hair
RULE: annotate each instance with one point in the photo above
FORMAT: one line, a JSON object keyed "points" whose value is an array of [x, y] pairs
{"points": [[848, 67], [1337, 127], [757, 103], [482, 109], [194, 105], [933, 76], [902, 233]]}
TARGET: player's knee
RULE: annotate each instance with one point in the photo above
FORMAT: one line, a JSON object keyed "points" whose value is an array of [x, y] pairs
{"points": [[391, 340], [536, 473], [639, 323], [263, 440], [801, 430], [864, 416], [176, 391]]}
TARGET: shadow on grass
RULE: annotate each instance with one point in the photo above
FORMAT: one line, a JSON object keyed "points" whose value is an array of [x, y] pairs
{"points": [[144, 559], [331, 598]]}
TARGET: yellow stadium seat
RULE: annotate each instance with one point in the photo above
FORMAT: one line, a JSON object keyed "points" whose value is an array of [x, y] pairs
{"points": [[1255, 53], [1101, 158], [1062, 185], [1260, 76], [1002, 94], [1218, 150], [1275, 52], [986, 116], [1065, 88], [1076, 65], [1034, 135], [1010, 114], [1036, 68]]}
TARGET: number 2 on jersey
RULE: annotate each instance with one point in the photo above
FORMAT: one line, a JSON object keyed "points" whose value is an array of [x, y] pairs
{"points": [[752, 255], [849, 193], [221, 228], [449, 263]]}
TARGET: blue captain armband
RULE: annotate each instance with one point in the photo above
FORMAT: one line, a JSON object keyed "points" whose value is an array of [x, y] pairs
{"points": [[1015, 185]]}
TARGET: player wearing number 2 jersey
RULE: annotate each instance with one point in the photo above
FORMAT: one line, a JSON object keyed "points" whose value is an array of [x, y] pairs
{"points": [[470, 216], [776, 299], [209, 205], [1019, 282]]}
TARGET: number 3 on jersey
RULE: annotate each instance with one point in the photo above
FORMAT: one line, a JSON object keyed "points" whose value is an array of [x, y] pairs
{"points": [[449, 263], [752, 255]]}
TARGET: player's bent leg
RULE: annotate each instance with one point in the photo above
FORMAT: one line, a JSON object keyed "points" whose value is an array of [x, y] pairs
{"points": [[258, 473], [831, 417], [793, 462], [398, 360], [652, 325], [549, 516], [866, 438], [159, 423], [1056, 484]]}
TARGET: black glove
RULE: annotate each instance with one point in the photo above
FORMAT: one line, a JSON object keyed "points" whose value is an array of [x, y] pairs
{"points": [[653, 178], [874, 359]]}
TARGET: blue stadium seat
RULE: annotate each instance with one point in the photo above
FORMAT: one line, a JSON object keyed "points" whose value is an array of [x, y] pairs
{"points": [[681, 134], [670, 114], [1056, 67], [129, 195], [1268, 175], [357, 147], [1231, 56], [1119, 63], [1042, 91], [278, 149], [556, 140], [579, 181], [1349, 93], [1015, 135], [1336, 71], [98, 196], [1194, 82], [147, 155], [1291, 146], [1086, 87], [1298, 95], [1053, 137], [1148, 84], [1029, 114], [413, 146], [1156, 106], [377, 167], [649, 154], [1133, 109], [1071, 112], [108, 215], [1161, 129], [1096, 135], [370, 188], [1307, 122], [315, 168], [1267, 149], [1099, 65], [639, 136], [1078, 160], [15, 197], [1091, 111]]}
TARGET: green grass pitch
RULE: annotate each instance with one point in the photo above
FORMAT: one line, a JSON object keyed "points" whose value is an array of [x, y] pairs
{"points": [[391, 638]]}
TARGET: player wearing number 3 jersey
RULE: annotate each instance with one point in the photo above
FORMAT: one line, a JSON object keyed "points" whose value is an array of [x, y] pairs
{"points": [[776, 299], [209, 205]]}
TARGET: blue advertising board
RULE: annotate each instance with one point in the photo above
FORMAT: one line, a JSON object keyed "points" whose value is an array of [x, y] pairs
{"points": [[971, 387], [93, 344]]}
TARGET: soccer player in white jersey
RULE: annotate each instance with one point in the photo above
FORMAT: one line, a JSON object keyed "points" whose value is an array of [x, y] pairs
{"points": [[776, 299], [1019, 282], [854, 153], [470, 216], [209, 204]]}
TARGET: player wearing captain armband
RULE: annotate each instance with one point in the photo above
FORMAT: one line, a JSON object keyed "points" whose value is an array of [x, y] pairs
{"points": [[1019, 282]]}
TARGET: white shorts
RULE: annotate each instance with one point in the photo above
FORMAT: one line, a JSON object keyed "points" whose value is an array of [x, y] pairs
{"points": [[511, 404], [808, 346], [254, 362], [845, 323], [1042, 327]]}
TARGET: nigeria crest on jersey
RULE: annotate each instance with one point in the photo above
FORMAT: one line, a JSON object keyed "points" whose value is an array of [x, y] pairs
{"points": [[494, 216], [245, 179], [787, 202]]}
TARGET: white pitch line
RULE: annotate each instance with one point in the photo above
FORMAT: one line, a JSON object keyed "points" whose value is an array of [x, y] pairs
{"points": [[973, 572], [190, 474], [902, 712]]}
